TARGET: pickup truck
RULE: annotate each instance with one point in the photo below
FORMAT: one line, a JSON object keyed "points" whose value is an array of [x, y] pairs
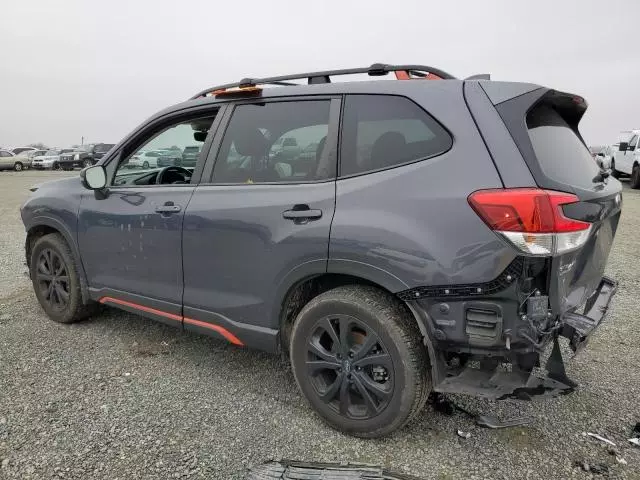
{"points": [[84, 156], [626, 161]]}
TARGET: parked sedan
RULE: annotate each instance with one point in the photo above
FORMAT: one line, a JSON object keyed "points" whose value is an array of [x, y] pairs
{"points": [[145, 159], [50, 160], [9, 161]]}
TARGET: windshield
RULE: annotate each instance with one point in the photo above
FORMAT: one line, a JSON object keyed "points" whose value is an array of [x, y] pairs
{"points": [[52, 152]]}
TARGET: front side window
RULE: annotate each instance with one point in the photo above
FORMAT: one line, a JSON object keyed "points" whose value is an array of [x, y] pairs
{"points": [[383, 131], [633, 142], [270, 142], [158, 160]]}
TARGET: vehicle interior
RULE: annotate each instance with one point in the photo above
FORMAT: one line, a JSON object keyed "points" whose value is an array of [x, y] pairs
{"points": [[253, 149], [182, 134]]}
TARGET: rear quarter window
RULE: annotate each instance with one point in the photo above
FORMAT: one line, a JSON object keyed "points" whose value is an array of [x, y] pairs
{"points": [[384, 131], [560, 152]]}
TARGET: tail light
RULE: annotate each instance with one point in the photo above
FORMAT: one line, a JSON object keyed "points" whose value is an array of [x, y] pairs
{"points": [[531, 219]]}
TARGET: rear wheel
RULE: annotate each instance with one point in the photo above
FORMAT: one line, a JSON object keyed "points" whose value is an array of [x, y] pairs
{"points": [[634, 182], [357, 355], [18, 166], [55, 166], [56, 281], [87, 163]]}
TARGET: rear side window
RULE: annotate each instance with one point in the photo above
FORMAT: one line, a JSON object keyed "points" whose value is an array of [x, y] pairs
{"points": [[383, 131], [561, 154], [269, 143]]}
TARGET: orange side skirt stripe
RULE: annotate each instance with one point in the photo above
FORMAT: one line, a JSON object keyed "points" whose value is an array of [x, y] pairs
{"points": [[178, 318]]}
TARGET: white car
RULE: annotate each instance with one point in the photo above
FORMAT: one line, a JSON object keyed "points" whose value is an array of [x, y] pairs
{"points": [[626, 161], [145, 159], [50, 160]]}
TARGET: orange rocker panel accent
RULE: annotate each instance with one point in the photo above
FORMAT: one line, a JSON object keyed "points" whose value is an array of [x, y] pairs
{"points": [[178, 318]]}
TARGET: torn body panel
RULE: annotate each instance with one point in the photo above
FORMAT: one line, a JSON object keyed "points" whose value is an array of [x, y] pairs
{"points": [[493, 354]]}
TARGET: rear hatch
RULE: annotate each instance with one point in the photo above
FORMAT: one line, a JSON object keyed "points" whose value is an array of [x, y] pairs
{"points": [[544, 126]]}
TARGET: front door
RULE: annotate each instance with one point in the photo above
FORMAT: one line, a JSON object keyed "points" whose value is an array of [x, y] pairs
{"points": [[130, 237], [263, 221], [624, 159]]}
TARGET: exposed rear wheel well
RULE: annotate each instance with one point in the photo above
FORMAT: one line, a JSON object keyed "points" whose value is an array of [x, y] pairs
{"points": [[303, 292], [34, 234]]}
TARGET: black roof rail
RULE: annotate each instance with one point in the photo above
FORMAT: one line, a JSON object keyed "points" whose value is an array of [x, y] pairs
{"points": [[375, 70], [479, 76]]}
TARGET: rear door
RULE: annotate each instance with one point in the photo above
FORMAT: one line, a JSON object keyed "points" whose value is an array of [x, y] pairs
{"points": [[260, 224], [559, 160]]}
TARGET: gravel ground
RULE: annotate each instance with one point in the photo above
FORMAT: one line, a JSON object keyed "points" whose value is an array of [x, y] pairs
{"points": [[122, 397]]}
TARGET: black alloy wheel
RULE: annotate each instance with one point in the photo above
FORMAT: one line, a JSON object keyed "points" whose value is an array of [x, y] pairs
{"points": [[349, 367], [52, 277]]}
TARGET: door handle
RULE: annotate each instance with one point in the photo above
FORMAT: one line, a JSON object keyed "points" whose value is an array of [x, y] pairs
{"points": [[301, 212], [168, 207]]}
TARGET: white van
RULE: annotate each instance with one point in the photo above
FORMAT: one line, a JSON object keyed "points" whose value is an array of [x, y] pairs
{"points": [[626, 160]]}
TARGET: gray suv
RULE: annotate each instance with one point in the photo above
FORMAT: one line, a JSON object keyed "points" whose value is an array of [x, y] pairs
{"points": [[442, 234]]}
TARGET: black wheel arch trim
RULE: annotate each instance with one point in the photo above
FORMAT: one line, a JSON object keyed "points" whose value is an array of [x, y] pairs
{"points": [[62, 229]]}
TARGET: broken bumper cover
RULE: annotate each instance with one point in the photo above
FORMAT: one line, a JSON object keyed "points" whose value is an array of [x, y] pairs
{"points": [[521, 383], [579, 327]]}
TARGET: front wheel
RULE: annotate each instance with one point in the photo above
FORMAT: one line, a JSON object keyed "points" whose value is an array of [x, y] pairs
{"points": [[145, 164], [18, 167], [614, 172], [358, 358], [87, 163], [55, 166], [56, 281], [634, 182]]}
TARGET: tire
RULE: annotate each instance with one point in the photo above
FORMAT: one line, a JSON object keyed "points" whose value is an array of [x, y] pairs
{"points": [[614, 173], [634, 182], [87, 163], [385, 355], [55, 166], [145, 164], [18, 167], [52, 261]]}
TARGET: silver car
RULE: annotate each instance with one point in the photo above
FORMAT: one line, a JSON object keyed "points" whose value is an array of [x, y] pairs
{"points": [[9, 161]]}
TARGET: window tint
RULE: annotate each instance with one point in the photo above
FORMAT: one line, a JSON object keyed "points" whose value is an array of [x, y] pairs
{"points": [[382, 131], [269, 142], [561, 154], [143, 165]]}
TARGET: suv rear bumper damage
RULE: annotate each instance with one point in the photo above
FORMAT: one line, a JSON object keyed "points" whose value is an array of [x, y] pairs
{"points": [[579, 327], [503, 373]]}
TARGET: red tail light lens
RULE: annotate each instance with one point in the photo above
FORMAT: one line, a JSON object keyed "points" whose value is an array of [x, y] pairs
{"points": [[531, 219]]}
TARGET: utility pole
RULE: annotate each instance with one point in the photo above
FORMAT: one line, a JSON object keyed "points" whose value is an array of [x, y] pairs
{"points": [[82, 141]]}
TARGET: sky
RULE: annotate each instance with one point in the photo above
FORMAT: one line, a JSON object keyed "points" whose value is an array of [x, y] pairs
{"points": [[97, 69]]}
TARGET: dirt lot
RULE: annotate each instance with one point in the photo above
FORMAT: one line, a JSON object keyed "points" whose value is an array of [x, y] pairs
{"points": [[122, 397]]}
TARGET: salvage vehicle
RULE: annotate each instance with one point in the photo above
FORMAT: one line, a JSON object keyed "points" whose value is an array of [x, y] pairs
{"points": [[10, 161], [84, 155], [446, 232], [50, 160]]}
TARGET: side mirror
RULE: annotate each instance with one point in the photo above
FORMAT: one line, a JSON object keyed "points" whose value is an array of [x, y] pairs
{"points": [[623, 146], [94, 178]]}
